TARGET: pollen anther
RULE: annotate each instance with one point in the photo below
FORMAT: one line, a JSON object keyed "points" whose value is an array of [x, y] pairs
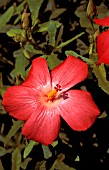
{"points": [[52, 94]]}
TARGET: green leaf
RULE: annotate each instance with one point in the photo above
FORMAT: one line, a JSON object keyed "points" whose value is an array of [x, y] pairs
{"points": [[16, 159], [100, 74], [14, 128], [29, 147], [2, 90], [20, 63], [26, 54], [52, 33], [6, 16], [14, 32], [105, 11], [57, 12], [103, 115], [55, 143], [77, 158], [27, 71], [30, 48], [2, 110], [44, 27], [69, 41], [87, 60], [18, 11], [25, 163], [59, 36], [82, 47], [20, 8], [84, 21], [4, 151], [53, 61], [80, 12], [34, 6], [46, 151], [17, 19], [59, 164], [41, 165]]}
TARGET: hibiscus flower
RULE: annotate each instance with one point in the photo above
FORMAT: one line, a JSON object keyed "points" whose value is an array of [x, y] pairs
{"points": [[43, 98], [103, 41]]}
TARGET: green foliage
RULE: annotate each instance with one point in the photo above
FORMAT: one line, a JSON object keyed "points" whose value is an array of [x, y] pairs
{"points": [[25, 163], [14, 128], [14, 32], [19, 8], [44, 27], [103, 115], [52, 33], [2, 87], [57, 12], [84, 20], [18, 11], [100, 74], [81, 13], [60, 164], [53, 61], [46, 151], [30, 48], [20, 63], [4, 151], [29, 147], [34, 6], [55, 143], [87, 60], [16, 159], [36, 28], [69, 41], [6, 16]]}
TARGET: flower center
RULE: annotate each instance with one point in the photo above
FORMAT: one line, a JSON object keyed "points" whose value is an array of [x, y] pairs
{"points": [[53, 93]]}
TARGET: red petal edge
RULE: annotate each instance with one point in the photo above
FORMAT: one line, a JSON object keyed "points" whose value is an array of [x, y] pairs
{"points": [[44, 127], [21, 102], [102, 21], [79, 110], [38, 76], [103, 47]]}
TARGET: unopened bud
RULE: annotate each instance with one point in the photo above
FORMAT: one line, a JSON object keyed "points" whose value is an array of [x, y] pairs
{"points": [[91, 10], [25, 19]]}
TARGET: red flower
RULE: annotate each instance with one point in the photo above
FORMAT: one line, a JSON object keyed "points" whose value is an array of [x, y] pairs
{"points": [[103, 41], [43, 98]]}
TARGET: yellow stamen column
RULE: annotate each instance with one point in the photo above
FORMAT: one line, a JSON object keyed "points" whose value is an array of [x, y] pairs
{"points": [[52, 94]]}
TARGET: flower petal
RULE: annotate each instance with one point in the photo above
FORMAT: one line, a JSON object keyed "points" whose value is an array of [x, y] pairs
{"points": [[79, 110], [103, 47], [69, 73], [102, 21], [43, 127], [104, 58], [38, 76], [21, 102]]}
